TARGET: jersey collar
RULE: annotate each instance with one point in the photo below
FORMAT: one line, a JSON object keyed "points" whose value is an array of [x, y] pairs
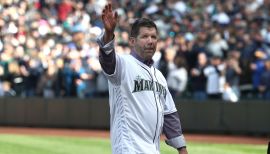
{"points": [[149, 62]]}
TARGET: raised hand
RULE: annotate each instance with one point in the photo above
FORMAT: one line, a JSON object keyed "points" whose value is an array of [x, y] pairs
{"points": [[109, 19]]}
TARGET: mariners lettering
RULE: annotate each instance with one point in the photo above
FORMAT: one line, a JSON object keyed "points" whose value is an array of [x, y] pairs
{"points": [[147, 85]]}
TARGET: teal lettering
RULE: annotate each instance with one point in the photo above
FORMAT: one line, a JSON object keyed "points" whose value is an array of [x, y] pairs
{"points": [[146, 85], [138, 86]]}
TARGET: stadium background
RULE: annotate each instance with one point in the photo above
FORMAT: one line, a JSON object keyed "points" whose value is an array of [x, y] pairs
{"points": [[50, 75]]}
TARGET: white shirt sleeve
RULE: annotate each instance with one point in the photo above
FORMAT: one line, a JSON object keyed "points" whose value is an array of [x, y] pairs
{"points": [[115, 77]]}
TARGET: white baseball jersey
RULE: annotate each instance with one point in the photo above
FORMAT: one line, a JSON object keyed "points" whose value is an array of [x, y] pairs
{"points": [[138, 99]]}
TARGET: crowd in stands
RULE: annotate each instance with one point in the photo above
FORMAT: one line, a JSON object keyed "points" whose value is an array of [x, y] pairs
{"points": [[208, 49]]}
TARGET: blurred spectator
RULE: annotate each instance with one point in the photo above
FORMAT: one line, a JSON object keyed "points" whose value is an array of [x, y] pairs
{"points": [[7, 91], [178, 77], [198, 78], [46, 86], [91, 68], [215, 73], [82, 77], [232, 74], [60, 90], [16, 78], [264, 86], [217, 46], [32, 74], [69, 78], [102, 85], [198, 47], [163, 63], [246, 58], [257, 68], [64, 8]]}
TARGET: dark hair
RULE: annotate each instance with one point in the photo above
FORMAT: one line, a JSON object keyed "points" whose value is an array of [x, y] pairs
{"points": [[141, 22]]}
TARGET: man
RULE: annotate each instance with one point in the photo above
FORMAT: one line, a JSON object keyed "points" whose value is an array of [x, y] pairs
{"points": [[141, 106]]}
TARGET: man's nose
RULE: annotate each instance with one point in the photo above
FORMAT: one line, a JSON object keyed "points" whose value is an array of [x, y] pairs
{"points": [[150, 40]]}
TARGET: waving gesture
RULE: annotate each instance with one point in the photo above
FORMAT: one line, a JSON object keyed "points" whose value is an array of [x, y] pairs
{"points": [[109, 19]]}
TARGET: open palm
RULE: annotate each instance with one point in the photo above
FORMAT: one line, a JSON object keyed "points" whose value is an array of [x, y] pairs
{"points": [[109, 18]]}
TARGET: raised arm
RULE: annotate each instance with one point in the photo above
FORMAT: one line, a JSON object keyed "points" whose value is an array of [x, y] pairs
{"points": [[109, 19], [107, 56]]}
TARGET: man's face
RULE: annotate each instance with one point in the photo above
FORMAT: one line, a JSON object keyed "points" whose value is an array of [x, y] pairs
{"points": [[145, 43]]}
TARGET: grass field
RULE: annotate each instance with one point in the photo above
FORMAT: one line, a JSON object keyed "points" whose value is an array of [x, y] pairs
{"points": [[23, 144]]}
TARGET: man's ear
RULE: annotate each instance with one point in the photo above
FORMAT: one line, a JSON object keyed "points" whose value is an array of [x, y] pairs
{"points": [[131, 41]]}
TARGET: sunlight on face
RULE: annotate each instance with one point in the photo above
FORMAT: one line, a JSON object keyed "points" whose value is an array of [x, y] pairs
{"points": [[145, 43]]}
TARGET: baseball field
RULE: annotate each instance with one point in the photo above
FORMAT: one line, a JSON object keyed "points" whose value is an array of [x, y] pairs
{"points": [[58, 141]]}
